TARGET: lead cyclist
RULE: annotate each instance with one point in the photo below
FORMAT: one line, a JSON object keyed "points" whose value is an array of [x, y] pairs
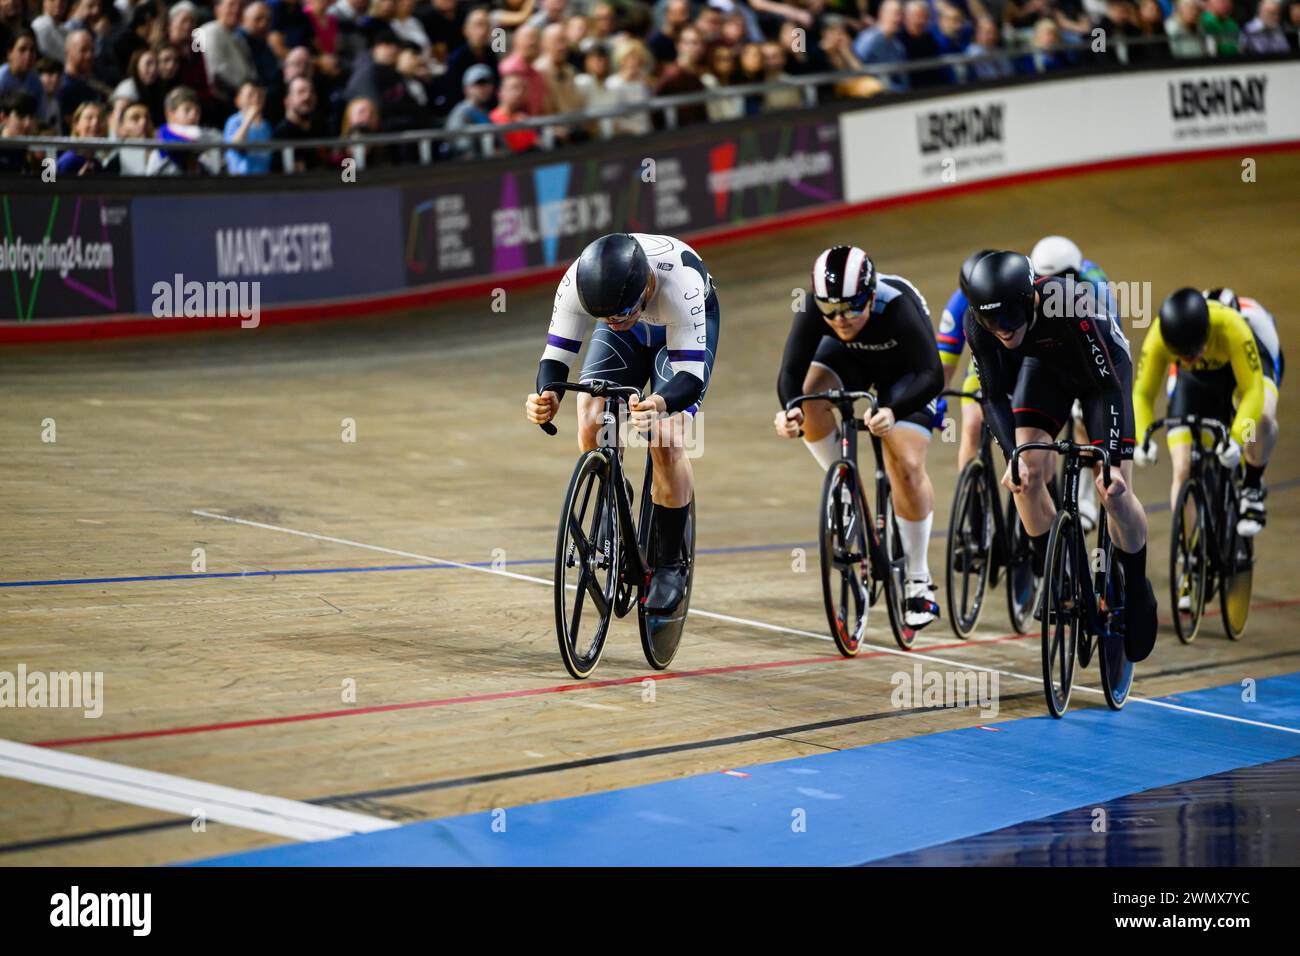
{"points": [[656, 320]]}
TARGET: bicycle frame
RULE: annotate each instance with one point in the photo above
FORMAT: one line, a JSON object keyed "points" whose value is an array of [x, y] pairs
{"points": [[1001, 537]]}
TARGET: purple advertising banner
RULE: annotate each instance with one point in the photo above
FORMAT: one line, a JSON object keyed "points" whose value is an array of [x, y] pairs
{"points": [[63, 256], [503, 223]]}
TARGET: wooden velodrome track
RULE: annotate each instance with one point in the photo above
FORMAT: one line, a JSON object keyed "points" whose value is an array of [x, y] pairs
{"points": [[238, 681]]}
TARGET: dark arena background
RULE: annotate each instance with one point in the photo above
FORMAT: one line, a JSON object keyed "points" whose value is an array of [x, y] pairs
{"points": [[279, 548]]}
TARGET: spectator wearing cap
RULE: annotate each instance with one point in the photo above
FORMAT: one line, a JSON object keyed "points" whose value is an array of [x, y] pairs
{"points": [[255, 28], [247, 125], [226, 56], [51, 29], [1264, 33], [526, 49], [512, 108], [474, 109], [17, 118], [79, 84]]}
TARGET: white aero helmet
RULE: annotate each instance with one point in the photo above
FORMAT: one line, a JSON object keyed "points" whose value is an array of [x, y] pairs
{"points": [[1055, 255]]}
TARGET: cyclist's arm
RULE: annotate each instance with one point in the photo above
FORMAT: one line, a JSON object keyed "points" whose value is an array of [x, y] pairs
{"points": [[916, 354], [687, 340], [1092, 347], [951, 336], [1248, 371], [1151, 370], [994, 384], [800, 347], [569, 327]]}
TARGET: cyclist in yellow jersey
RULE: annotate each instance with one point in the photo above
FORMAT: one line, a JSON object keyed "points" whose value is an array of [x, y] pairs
{"points": [[1224, 372]]}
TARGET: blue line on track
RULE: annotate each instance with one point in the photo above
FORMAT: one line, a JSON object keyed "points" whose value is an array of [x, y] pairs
{"points": [[855, 806], [735, 549]]}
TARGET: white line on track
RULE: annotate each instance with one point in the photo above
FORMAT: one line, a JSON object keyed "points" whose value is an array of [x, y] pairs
{"points": [[747, 622], [162, 791]]}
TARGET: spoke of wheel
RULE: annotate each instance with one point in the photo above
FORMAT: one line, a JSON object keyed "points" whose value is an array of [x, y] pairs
{"points": [[588, 581], [577, 607]]}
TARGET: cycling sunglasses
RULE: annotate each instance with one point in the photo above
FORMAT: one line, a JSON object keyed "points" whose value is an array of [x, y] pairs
{"points": [[620, 316], [1001, 318], [834, 308]]}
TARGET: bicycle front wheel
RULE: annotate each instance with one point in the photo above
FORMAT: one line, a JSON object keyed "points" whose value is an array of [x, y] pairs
{"points": [[1063, 610], [586, 563], [843, 541], [1187, 561]]}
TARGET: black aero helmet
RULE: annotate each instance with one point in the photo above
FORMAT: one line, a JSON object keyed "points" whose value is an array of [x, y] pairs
{"points": [[1001, 291], [1225, 296], [844, 280], [967, 267], [1185, 322], [613, 272]]}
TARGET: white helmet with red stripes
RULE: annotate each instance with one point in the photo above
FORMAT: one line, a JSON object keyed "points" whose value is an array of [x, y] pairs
{"points": [[844, 280]]}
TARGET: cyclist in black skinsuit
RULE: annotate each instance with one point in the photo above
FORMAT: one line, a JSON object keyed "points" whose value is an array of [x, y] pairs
{"points": [[1068, 353], [863, 330]]}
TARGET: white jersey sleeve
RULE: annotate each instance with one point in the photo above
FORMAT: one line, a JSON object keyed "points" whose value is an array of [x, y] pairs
{"points": [[569, 322], [679, 304]]}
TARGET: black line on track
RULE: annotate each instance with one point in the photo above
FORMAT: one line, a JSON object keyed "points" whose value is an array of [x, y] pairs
{"points": [[432, 785]]}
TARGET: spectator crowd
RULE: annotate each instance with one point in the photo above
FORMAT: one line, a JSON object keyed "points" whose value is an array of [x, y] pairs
{"points": [[242, 72]]}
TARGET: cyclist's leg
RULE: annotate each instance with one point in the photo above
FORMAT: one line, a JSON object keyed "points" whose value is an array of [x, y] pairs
{"points": [[1041, 404], [832, 367], [972, 419], [620, 357], [674, 477], [1259, 449], [905, 447]]}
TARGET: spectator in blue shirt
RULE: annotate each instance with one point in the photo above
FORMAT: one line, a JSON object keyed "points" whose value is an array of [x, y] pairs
{"points": [[248, 126], [19, 70], [987, 40], [882, 44]]}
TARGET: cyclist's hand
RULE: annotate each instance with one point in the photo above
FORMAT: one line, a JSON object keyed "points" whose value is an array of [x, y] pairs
{"points": [[644, 411], [1230, 454], [1115, 490], [789, 423], [540, 409], [881, 422], [1026, 476], [1146, 454]]}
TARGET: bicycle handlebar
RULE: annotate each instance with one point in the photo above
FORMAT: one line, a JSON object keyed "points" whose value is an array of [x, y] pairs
{"points": [[1220, 430], [837, 395], [1062, 447], [598, 387]]}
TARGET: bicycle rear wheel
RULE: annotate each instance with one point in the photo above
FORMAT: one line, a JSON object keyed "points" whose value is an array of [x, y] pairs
{"points": [[661, 634], [1187, 561], [1116, 668], [895, 575], [969, 548], [586, 562], [843, 542], [1062, 612]]}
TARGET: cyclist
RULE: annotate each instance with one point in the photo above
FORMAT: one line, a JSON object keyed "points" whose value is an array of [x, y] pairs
{"points": [[865, 330], [656, 315], [1065, 356], [951, 340], [1225, 369], [1059, 256]]}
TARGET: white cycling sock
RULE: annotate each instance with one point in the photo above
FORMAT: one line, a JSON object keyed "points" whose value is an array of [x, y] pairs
{"points": [[916, 544], [825, 450]]}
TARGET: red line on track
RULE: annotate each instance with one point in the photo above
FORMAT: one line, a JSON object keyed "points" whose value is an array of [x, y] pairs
{"points": [[501, 695]]}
